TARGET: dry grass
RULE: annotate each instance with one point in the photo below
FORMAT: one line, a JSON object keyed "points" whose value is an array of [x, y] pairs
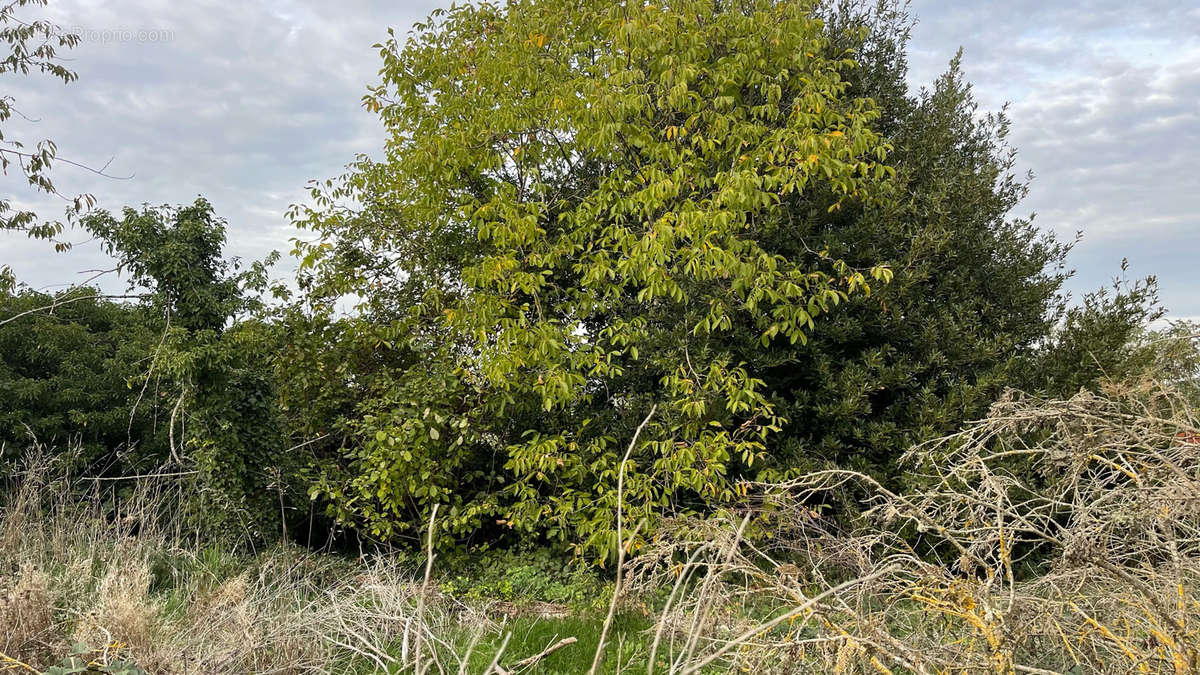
{"points": [[127, 585], [1054, 536], [1051, 537]]}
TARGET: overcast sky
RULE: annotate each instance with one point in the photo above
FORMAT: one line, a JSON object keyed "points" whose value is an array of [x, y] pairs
{"points": [[245, 102]]}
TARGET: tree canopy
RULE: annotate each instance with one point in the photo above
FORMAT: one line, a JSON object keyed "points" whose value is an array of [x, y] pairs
{"points": [[569, 215], [676, 249]]}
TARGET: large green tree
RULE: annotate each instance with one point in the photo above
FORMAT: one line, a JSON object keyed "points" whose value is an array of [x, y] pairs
{"points": [[569, 221], [585, 212]]}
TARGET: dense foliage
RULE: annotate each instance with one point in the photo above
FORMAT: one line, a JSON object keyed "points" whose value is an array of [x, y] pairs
{"points": [[569, 221], [72, 370], [666, 248], [210, 358], [527, 291], [1105, 336], [975, 289]]}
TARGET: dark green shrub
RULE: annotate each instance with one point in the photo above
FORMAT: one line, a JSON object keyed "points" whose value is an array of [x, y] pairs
{"points": [[73, 373]]}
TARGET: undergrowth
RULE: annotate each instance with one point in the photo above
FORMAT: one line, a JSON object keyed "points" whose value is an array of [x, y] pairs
{"points": [[1052, 537], [93, 582]]}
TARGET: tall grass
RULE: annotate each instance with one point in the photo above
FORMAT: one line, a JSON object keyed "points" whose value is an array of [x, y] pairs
{"points": [[109, 566], [109, 569], [1050, 537]]}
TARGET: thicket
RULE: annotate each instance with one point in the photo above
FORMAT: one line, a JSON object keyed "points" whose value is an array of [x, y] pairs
{"points": [[735, 215], [698, 293], [1066, 532], [66, 364]]}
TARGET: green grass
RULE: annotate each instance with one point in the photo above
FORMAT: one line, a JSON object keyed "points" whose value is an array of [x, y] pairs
{"points": [[627, 648]]}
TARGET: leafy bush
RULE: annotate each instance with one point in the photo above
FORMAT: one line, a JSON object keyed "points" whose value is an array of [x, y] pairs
{"points": [[73, 372], [1103, 338], [526, 575]]}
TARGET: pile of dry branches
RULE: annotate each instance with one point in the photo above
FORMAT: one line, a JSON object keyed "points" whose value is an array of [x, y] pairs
{"points": [[1053, 536]]}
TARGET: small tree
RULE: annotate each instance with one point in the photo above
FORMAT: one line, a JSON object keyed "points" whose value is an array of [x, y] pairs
{"points": [[225, 418], [1102, 338]]}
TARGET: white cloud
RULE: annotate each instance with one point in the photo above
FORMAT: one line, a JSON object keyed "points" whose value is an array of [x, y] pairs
{"points": [[245, 102], [1103, 104]]}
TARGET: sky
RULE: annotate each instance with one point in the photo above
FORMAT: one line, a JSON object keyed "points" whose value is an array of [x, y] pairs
{"points": [[245, 102]]}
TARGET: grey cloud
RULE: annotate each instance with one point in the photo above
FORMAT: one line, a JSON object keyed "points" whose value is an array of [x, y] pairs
{"points": [[247, 101], [1103, 106], [244, 103]]}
